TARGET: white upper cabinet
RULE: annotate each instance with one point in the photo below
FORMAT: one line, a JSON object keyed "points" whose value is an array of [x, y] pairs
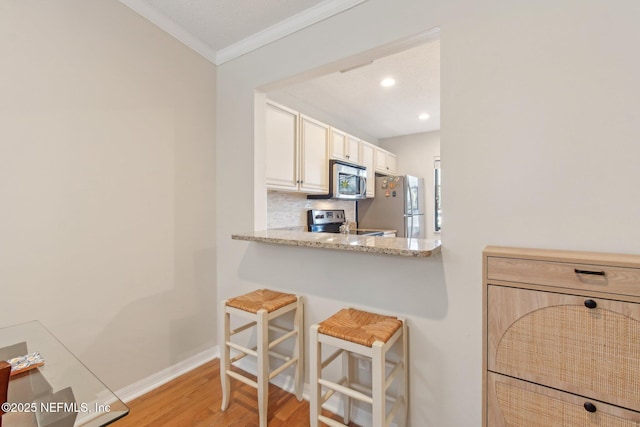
{"points": [[299, 148], [338, 140], [297, 151], [392, 163], [386, 162], [367, 159], [314, 156], [353, 150], [344, 146], [282, 148]]}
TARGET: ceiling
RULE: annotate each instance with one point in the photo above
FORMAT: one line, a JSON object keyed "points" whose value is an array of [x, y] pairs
{"points": [[356, 97], [221, 30]]}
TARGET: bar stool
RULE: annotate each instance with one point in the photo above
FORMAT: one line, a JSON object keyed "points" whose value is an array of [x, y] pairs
{"points": [[261, 306], [362, 335]]}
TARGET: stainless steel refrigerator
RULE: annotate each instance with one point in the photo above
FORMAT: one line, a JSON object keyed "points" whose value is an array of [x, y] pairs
{"points": [[398, 205]]}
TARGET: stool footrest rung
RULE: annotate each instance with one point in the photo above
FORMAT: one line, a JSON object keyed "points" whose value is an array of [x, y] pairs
{"points": [[330, 422], [279, 329], [286, 336], [392, 375], [243, 379], [242, 328], [254, 350], [330, 392], [242, 349], [282, 367], [393, 411], [252, 324], [387, 363], [237, 357], [346, 390], [361, 388], [331, 358], [280, 356], [367, 390]]}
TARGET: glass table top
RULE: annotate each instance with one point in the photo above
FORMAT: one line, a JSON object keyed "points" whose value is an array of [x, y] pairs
{"points": [[60, 393]]}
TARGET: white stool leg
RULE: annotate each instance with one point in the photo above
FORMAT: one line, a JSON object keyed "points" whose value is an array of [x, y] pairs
{"points": [[315, 372], [225, 365], [263, 365], [346, 371], [378, 383], [298, 322]]}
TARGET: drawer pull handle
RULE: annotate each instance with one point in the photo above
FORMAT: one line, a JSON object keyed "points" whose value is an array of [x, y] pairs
{"points": [[589, 303], [593, 273], [590, 407]]}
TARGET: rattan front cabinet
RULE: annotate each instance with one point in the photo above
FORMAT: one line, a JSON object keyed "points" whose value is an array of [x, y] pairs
{"points": [[561, 338]]}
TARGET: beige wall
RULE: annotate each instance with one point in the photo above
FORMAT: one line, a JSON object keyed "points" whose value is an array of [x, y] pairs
{"points": [[539, 131], [106, 185]]}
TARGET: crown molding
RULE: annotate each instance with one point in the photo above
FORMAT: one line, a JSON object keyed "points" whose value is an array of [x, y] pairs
{"points": [[159, 19], [297, 22]]}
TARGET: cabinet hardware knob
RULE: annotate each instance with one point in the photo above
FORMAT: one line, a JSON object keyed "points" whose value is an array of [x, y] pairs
{"points": [[593, 273], [589, 303], [590, 407]]}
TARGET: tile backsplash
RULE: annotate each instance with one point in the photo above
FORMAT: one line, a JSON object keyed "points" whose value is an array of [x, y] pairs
{"points": [[290, 209]]}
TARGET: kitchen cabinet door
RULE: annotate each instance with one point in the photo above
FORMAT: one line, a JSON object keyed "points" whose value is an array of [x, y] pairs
{"points": [[314, 155], [344, 146], [385, 162], [392, 163], [338, 144], [282, 148], [352, 149]]}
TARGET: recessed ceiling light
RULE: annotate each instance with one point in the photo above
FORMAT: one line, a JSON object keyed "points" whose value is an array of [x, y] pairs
{"points": [[424, 116], [387, 82]]}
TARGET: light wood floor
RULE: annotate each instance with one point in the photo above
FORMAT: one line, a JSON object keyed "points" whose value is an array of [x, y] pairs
{"points": [[194, 400]]}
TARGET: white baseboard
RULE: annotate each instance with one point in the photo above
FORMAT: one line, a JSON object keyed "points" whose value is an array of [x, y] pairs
{"points": [[145, 385]]}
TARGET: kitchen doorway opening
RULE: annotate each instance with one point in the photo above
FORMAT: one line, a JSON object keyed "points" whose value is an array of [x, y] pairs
{"points": [[348, 95]]}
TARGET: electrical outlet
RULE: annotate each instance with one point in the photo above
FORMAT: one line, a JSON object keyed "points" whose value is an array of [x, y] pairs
{"points": [[363, 365]]}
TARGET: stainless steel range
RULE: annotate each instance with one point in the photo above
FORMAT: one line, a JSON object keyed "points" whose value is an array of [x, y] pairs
{"points": [[330, 221]]}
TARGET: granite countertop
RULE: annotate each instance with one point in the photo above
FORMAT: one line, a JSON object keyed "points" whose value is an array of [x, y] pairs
{"points": [[346, 242]]}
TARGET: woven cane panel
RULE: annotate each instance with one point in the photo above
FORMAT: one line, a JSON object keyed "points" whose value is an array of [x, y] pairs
{"points": [[360, 327], [262, 299], [524, 408], [596, 349]]}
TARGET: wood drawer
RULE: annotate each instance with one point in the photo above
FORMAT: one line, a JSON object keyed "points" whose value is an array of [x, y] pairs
{"points": [[555, 340], [615, 280], [516, 403]]}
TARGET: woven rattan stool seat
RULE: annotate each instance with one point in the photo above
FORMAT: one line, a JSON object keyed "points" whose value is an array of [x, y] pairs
{"points": [[360, 327], [262, 298]]}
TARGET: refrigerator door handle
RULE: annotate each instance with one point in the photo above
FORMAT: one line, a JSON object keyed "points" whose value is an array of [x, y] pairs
{"points": [[412, 206], [409, 197]]}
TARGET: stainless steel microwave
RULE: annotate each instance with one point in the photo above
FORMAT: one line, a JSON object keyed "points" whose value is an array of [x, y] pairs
{"points": [[346, 181]]}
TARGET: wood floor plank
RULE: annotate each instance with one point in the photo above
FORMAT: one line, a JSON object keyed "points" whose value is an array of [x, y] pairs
{"points": [[194, 399]]}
